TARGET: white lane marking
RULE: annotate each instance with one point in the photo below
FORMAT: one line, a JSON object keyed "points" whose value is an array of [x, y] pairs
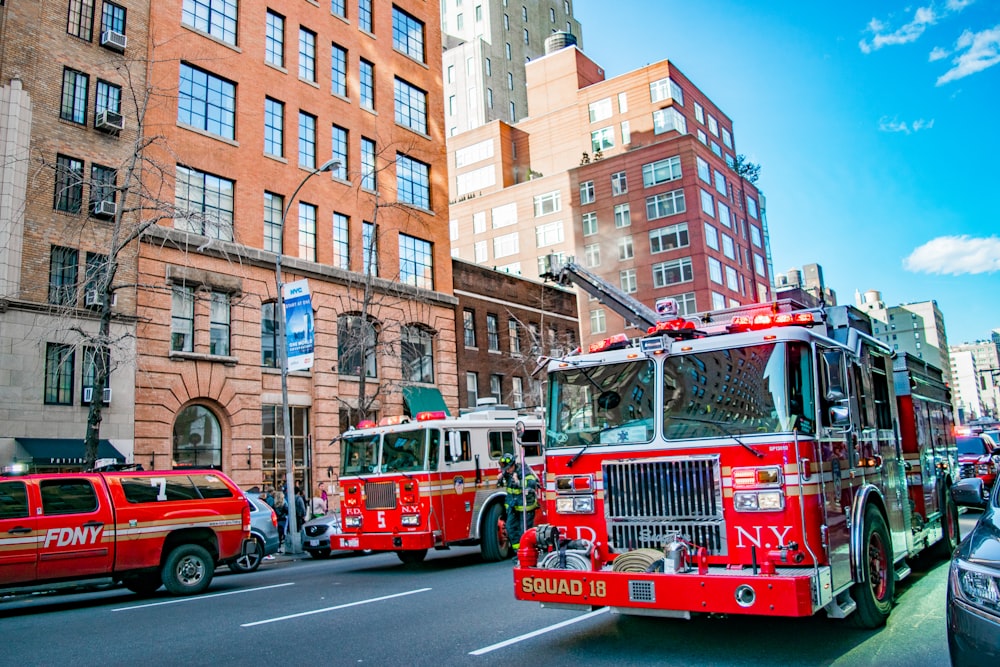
{"points": [[203, 597], [540, 631], [339, 606]]}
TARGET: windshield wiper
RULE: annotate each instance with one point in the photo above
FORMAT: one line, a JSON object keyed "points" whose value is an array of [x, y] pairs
{"points": [[759, 454], [570, 463]]}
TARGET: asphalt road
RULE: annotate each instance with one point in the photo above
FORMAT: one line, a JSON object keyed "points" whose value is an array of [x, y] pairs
{"points": [[451, 610]]}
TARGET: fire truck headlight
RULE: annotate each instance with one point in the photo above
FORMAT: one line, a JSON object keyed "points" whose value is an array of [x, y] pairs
{"points": [[410, 519], [575, 505], [770, 500], [353, 522], [745, 501], [758, 501]]}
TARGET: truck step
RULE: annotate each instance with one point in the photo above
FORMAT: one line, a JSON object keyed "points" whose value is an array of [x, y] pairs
{"points": [[841, 606], [902, 570]]}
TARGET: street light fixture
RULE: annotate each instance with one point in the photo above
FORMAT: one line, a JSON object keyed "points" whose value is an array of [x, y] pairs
{"points": [[286, 426]]}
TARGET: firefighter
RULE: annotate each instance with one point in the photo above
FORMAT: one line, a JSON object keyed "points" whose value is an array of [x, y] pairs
{"points": [[521, 501]]}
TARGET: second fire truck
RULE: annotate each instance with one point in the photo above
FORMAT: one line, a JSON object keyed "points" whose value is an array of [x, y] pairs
{"points": [[431, 483], [768, 459]]}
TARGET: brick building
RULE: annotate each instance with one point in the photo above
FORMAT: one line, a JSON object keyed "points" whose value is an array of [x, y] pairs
{"points": [[507, 322], [635, 176]]}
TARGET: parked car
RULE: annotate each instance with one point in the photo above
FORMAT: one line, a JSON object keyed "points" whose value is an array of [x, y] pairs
{"points": [[317, 534], [978, 456], [973, 612], [263, 530]]}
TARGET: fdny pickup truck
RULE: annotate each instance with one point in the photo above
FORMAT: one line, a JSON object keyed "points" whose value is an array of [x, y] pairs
{"points": [[141, 528]]}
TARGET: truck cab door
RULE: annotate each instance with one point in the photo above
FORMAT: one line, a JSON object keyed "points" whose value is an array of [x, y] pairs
{"points": [[836, 455], [18, 544], [76, 528]]}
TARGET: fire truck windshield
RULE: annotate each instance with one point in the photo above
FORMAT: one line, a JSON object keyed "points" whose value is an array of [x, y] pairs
{"points": [[395, 451], [359, 455], [737, 391]]}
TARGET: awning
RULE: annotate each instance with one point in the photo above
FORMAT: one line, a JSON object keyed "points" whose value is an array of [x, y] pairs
{"points": [[64, 451], [423, 399]]}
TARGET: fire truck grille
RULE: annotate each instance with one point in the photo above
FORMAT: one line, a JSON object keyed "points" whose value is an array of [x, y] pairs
{"points": [[380, 495], [648, 503]]}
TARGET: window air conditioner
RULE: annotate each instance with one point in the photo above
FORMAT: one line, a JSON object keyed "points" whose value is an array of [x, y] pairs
{"points": [[113, 40], [91, 298], [88, 395], [105, 208], [111, 121]]}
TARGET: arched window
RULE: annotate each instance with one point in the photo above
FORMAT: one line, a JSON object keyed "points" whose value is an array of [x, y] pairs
{"points": [[417, 352], [197, 438]]}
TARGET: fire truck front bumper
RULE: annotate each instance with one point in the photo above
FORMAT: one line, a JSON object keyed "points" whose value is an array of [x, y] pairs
{"points": [[788, 592], [383, 541]]}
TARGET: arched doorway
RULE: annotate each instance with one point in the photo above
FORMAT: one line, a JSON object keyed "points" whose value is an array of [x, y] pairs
{"points": [[197, 439]]}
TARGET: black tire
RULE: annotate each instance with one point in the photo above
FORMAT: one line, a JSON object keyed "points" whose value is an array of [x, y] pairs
{"points": [[874, 591], [249, 563], [950, 531], [319, 554], [412, 557], [188, 570], [495, 546], [144, 584]]}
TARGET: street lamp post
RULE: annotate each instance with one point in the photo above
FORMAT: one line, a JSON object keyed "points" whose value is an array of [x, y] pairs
{"points": [[286, 426]]}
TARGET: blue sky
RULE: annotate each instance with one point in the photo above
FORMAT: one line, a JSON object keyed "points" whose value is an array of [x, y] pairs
{"points": [[874, 123]]}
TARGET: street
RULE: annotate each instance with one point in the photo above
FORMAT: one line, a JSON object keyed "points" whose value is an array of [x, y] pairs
{"points": [[451, 610]]}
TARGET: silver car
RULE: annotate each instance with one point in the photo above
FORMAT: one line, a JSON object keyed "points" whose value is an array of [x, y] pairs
{"points": [[264, 531]]}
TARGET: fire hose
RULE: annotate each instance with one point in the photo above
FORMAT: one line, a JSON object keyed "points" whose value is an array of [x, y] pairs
{"points": [[640, 560]]}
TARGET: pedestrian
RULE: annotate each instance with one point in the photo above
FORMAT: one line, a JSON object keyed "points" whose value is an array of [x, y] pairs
{"points": [[318, 504], [300, 508], [268, 496], [281, 509], [521, 501]]}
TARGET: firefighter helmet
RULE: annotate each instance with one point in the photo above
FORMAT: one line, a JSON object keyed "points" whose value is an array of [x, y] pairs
{"points": [[507, 460]]}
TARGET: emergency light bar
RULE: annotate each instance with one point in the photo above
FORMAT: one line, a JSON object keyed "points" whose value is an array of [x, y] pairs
{"points": [[366, 423], [616, 342], [766, 320], [429, 416]]}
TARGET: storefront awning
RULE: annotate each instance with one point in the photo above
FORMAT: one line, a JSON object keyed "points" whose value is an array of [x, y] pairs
{"points": [[64, 451], [423, 399]]}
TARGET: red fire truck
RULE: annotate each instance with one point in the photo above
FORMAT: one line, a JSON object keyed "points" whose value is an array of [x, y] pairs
{"points": [[431, 483], [755, 461]]}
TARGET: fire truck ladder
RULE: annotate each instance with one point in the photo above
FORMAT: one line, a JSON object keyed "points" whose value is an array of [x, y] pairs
{"points": [[569, 272]]}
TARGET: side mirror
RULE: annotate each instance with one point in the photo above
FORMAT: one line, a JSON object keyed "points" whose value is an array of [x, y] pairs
{"points": [[835, 383], [454, 446], [970, 492], [519, 431], [840, 415]]}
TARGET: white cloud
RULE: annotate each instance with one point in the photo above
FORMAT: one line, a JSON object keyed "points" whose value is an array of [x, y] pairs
{"points": [[958, 5], [923, 17], [937, 53], [955, 255], [886, 124], [975, 51]]}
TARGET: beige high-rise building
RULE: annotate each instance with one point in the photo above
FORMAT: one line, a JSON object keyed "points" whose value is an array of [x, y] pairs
{"points": [[917, 328]]}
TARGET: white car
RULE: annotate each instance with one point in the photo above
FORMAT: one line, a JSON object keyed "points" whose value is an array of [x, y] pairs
{"points": [[317, 533]]}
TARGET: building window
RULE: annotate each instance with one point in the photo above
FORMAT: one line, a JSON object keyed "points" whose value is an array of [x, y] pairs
{"points": [[102, 190], [273, 209], [711, 237], [274, 127], [96, 273], [728, 247], [602, 139], [206, 102], [338, 150], [59, 363], [715, 270], [411, 106], [197, 438], [495, 383], [416, 262], [341, 241], [718, 301], [510, 81], [592, 254], [69, 184], [720, 184], [367, 80], [469, 327], [707, 203], [338, 70], [619, 183], [625, 248], [95, 360], [628, 281], [550, 202], [368, 181], [589, 221], [338, 8], [74, 96], [369, 248], [665, 120], [517, 392], [514, 337], [492, 332], [81, 19], [307, 140], [413, 184], [623, 216], [204, 203], [587, 192], [755, 236], [661, 171], [274, 39], [407, 34], [107, 97], [471, 389], [307, 55], [713, 125], [215, 17], [752, 207], [182, 319], [664, 204], [758, 265], [63, 270], [357, 340], [365, 15], [549, 234], [731, 280], [219, 324], [598, 322], [417, 354], [664, 90], [113, 18], [600, 110], [268, 335], [704, 173], [668, 238], [307, 232], [672, 272]]}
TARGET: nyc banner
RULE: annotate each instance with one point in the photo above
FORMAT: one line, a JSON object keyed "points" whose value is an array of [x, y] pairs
{"points": [[299, 332]]}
